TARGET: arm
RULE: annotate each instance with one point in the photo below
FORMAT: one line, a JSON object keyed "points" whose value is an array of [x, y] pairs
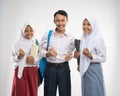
{"points": [[71, 49], [43, 51], [87, 53], [43, 45], [17, 56], [100, 53]]}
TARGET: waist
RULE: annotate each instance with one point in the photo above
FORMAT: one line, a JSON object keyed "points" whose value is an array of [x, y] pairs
{"points": [[57, 64], [94, 62], [58, 59]]}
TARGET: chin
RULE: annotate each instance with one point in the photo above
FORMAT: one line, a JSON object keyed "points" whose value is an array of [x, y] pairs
{"points": [[61, 29]]}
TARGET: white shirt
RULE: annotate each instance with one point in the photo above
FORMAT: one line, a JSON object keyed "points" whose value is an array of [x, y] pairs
{"points": [[62, 44], [99, 53]]}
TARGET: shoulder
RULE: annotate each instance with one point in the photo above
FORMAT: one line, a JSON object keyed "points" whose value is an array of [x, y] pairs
{"points": [[47, 32], [69, 34], [100, 44]]}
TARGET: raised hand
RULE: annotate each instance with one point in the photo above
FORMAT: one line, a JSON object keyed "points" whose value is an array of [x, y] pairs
{"points": [[76, 54], [51, 52], [68, 56], [87, 53], [30, 60], [21, 54]]}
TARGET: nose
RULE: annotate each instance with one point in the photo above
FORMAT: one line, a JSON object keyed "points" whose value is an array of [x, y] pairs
{"points": [[85, 26], [60, 23]]}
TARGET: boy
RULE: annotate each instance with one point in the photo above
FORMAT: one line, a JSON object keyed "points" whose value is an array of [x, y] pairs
{"points": [[57, 72]]}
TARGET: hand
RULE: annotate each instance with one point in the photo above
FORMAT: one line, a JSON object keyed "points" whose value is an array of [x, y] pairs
{"points": [[68, 56], [78, 68], [51, 52], [86, 51], [30, 60], [76, 54], [21, 54]]}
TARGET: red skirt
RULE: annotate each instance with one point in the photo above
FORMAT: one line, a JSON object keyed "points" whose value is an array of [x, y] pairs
{"points": [[27, 85]]}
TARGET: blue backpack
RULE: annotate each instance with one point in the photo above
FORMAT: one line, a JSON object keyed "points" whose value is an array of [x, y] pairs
{"points": [[42, 62]]}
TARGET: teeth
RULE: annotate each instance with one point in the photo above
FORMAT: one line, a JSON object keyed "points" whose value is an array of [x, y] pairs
{"points": [[61, 26]]}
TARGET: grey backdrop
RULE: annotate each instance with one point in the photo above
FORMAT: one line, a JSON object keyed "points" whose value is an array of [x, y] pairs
{"points": [[14, 13]]}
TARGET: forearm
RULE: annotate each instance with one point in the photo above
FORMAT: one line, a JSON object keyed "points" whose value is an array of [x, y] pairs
{"points": [[97, 58]]}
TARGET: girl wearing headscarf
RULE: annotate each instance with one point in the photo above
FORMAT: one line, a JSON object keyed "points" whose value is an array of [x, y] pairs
{"points": [[25, 81], [92, 54]]}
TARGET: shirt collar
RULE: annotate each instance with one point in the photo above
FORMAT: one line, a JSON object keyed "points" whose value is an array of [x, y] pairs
{"points": [[65, 34]]}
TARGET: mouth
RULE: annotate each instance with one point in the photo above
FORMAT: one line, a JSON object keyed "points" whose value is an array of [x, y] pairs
{"points": [[86, 30], [61, 26]]}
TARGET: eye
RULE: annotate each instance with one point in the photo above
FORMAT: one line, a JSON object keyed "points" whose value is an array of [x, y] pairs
{"points": [[31, 30], [83, 24], [26, 30], [89, 24]]}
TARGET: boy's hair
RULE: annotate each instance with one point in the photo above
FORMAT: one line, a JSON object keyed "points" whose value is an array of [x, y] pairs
{"points": [[61, 12]]}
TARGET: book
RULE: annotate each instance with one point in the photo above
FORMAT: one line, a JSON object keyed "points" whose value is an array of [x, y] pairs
{"points": [[34, 50]]}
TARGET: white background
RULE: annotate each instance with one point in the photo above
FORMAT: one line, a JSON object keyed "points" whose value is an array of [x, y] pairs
{"points": [[14, 13]]}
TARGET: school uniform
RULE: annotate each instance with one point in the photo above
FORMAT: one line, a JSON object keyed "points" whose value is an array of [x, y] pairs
{"points": [[25, 80], [57, 72], [91, 70]]}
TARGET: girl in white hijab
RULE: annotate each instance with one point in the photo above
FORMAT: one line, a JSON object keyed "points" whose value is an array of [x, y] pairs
{"points": [[92, 54], [25, 81]]}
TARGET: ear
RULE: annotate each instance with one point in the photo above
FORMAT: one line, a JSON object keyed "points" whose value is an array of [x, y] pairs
{"points": [[67, 20]]}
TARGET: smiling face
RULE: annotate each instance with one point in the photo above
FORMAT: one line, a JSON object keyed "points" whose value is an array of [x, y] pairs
{"points": [[28, 33], [60, 22], [86, 26]]}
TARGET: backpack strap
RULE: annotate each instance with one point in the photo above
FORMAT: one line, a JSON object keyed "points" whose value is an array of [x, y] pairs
{"points": [[36, 42], [48, 39]]}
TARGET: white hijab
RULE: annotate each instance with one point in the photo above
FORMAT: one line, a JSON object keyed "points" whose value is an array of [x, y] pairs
{"points": [[25, 45], [88, 41]]}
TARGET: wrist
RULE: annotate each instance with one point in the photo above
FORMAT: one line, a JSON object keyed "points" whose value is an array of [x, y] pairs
{"points": [[48, 54], [90, 56]]}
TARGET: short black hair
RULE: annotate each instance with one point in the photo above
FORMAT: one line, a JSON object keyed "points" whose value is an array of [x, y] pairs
{"points": [[61, 12]]}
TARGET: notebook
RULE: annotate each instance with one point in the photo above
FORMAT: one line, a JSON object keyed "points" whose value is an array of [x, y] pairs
{"points": [[34, 50]]}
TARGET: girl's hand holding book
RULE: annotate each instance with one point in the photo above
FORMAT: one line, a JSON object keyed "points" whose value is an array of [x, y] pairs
{"points": [[30, 60]]}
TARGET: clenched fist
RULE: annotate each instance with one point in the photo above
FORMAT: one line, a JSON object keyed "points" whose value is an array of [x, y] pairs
{"points": [[68, 56], [87, 53], [51, 52], [30, 60], [21, 54], [76, 54]]}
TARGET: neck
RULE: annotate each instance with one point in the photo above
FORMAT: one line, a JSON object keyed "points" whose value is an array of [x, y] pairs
{"points": [[60, 32]]}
